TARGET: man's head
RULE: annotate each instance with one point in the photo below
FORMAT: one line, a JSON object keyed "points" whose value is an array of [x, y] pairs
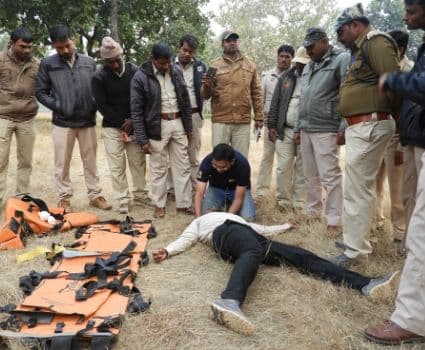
{"points": [[230, 42], [414, 16], [316, 43], [402, 40], [60, 37], [223, 157], [112, 54], [187, 48], [161, 57], [21, 43], [301, 59], [285, 54], [350, 25]]}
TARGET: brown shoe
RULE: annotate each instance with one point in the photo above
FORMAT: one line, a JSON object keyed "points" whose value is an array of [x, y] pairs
{"points": [[66, 205], [187, 211], [101, 203], [159, 213], [333, 231], [389, 333]]}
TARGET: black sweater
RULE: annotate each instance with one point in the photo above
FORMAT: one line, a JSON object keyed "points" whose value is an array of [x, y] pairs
{"points": [[112, 94]]}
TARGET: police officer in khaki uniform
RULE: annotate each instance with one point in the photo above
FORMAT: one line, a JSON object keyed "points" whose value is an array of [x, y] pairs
{"points": [[370, 125], [285, 53], [234, 90]]}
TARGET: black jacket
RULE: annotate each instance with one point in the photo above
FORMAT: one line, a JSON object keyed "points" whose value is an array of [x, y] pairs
{"points": [[412, 87], [145, 103], [67, 91], [282, 94], [112, 94]]}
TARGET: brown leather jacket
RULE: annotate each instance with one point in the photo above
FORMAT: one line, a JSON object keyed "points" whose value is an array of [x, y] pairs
{"points": [[17, 88], [236, 91]]}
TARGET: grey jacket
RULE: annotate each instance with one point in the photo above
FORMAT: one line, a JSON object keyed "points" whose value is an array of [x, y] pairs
{"points": [[320, 83], [67, 91]]}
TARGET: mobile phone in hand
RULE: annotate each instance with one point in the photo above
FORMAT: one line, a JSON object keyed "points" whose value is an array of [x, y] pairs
{"points": [[211, 72]]}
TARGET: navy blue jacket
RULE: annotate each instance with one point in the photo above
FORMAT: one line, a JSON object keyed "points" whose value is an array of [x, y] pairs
{"points": [[412, 87], [145, 103]]}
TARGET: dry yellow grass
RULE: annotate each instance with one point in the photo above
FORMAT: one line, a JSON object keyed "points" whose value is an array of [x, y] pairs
{"points": [[291, 311]]}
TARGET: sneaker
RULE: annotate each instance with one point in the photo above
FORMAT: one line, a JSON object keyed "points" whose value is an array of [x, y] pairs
{"points": [[101, 203], [66, 205], [381, 287], [123, 208], [344, 261], [227, 313]]}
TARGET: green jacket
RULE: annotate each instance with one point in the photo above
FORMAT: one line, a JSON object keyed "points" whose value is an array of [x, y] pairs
{"points": [[374, 53]]}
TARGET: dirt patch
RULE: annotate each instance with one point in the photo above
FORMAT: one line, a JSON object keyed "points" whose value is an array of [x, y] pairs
{"points": [[290, 310]]}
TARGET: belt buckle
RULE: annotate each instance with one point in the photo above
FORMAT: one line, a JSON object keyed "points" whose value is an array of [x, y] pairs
{"points": [[171, 116]]}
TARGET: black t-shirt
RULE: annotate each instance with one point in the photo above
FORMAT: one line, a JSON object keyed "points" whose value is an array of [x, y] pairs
{"points": [[238, 175]]}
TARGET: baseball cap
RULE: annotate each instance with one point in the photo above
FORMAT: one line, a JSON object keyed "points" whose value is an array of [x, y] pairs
{"points": [[348, 15], [301, 56], [227, 34], [314, 34]]}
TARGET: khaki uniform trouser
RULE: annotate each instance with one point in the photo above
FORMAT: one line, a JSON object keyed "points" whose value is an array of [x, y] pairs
{"points": [[412, 167], [410, 303], [172, 148], [290, 191], [25, 137], [236, 135], [266, 166], [364, 150], [63, 143], [395, 182], [193, 150], [117, 155], [319, 153]]}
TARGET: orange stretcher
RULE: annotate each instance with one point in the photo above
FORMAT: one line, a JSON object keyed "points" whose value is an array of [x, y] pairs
{"points": [[22, 218], [86, 292]]}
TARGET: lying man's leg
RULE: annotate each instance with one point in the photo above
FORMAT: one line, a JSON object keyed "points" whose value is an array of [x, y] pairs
{"points": [[308, 262], [236, 243]]}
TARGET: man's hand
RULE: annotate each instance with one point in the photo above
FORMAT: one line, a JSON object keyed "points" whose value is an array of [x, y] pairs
{"points": [[381, 84], [340, 138], [160, 255], [297, 138], [272, 135], [146, 148], [207, 81], [398, 158], [258, 124], [127, 126]]}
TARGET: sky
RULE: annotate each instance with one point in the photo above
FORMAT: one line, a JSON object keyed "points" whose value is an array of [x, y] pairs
{"points": [[213, 6]]}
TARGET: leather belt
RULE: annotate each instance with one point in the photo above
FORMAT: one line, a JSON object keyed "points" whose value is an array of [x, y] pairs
{"points": [[170, 116], [195, 110], [376, 116]]}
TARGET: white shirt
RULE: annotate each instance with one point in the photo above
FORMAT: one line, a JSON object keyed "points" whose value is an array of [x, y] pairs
{"points": [[201, 230], [188, 78], [168, 93]]}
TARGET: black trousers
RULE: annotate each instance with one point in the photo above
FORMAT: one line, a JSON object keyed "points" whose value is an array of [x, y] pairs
{"points": [[242, 245]]}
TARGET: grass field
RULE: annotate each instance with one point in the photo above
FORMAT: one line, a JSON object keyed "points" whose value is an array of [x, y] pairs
{"points": [[291, 311]]}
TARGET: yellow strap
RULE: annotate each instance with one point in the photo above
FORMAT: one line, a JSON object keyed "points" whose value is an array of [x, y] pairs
{"points": [[36, 252]]}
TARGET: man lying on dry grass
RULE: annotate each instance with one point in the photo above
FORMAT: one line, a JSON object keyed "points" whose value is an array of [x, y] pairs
{"points": [[246, 244]]}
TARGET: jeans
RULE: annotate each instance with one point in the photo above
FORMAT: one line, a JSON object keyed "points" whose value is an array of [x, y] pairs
{"points": [[240, 244], [218, 198]]}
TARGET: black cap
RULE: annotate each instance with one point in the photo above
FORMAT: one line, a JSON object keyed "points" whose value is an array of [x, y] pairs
{"points": [[314, 34], [228, 34]]}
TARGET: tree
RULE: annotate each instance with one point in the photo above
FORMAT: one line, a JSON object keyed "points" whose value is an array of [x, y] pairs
{"points": [[387, 15], [140, 23], [263, 25]]}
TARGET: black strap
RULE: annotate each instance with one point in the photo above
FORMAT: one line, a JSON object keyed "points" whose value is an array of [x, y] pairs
{"points": [[138, 304], [110, 322], [11, 324], [152, 232], [144, 258], [7, 308], [29, 282], [101, 342], [66, 342]]}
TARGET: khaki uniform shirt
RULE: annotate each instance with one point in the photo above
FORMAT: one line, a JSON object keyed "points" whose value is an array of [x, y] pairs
{"points": [[17, 88], [168, 92], [268, 84], [236, 91], [359, 92], [188, 78]]}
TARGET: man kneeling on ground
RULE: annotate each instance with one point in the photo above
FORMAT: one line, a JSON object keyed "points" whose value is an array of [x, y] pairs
{"points": [[227, 174], [246, 244]]}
